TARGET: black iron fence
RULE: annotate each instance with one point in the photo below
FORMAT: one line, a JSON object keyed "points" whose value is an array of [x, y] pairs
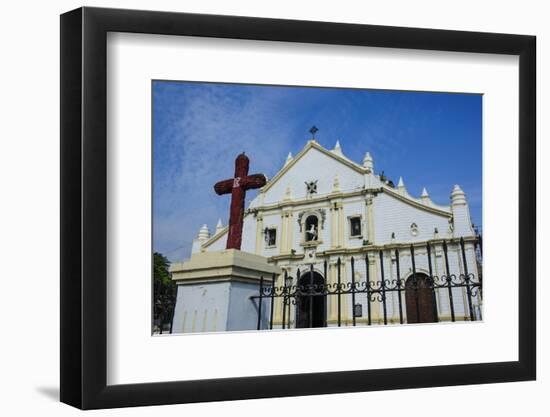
{"points": [[416, 297]]}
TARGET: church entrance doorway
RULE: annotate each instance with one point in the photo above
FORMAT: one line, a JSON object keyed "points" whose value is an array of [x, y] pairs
{"points": [[420, 300], [311, 304]]}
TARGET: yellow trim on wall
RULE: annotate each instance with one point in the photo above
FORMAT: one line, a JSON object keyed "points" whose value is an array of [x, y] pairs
{"points": [[344, 308], [290, 232], [341, 225], [282, 248], [259, 227], [440, 210], [216, 237], [278, 308], [333, 302]]}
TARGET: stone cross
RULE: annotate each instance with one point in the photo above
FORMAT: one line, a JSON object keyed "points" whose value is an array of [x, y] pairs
{"points": [[237, 186]]}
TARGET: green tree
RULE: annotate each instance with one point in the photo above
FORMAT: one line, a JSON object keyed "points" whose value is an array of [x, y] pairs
{"points": [[164, 297]]}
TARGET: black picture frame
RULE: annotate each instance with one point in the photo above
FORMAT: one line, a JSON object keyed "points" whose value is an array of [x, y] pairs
{"points": [[84, 207]]}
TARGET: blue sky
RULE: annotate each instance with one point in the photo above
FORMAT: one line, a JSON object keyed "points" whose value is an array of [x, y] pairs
{"points": [[431, 139]]}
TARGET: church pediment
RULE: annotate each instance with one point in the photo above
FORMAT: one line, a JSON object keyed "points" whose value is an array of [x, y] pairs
{"points": [[314, 171]]}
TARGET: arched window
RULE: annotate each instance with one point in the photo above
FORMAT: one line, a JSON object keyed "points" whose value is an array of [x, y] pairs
{"points": [[311, 224], [311, 228]]}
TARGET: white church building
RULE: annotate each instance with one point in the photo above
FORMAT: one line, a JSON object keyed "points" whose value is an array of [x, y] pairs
{"points": [[320, 211]]}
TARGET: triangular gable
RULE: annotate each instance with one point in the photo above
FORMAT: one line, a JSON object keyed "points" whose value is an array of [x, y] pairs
{"points": [[311, 144]]}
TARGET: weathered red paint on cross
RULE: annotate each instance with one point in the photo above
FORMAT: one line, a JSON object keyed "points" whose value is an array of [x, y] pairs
{"points": [[237, 187]]}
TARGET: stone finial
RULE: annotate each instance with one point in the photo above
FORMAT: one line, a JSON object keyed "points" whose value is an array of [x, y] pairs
{"points": [[368, 162], [337, 149], [219, 226], [400, 183], [204, 233], [289, 158], [425, 197], [288, 193], [457, 196], [336, 184]]}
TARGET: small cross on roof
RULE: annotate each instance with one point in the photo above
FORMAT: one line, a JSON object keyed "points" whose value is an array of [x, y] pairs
{"points": [[313, 131]]}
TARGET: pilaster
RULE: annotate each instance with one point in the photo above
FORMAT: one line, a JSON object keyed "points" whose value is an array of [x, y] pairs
{"points": [[369, 214], [336, 225], [259, 233], [345, 310], [333, 302], [283, 238], [290, 232]]}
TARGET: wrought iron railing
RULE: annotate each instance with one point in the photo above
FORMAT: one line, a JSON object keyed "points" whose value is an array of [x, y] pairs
{"points": [[420, 289]]}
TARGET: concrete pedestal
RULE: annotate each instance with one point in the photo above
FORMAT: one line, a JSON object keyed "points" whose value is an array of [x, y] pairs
{"points": [[214, 290]]}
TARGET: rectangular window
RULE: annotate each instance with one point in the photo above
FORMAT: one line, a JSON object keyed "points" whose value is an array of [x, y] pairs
{"points": [[355, 226], [271, 237]]}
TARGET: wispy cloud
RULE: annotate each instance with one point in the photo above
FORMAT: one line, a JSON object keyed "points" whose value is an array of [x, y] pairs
{"points": [[200, 134], [199, 128]]}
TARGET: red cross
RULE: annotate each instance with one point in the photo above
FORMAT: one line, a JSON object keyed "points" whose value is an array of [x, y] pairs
{"points": [[237, 187]]}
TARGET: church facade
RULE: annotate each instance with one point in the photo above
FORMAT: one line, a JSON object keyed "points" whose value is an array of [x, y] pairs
{"points": [[334, 220]]}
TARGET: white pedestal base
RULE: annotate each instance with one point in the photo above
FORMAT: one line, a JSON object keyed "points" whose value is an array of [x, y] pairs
{"points": [[214, 290]]}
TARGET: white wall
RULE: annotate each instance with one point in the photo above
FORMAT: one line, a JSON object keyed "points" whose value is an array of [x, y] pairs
{"points": [[314, 165], [215, 307], [394, 216], [202, 308], [29, 210]]}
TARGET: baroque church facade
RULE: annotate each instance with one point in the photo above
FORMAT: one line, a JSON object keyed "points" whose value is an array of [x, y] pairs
{"points": [[323, 209]]}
